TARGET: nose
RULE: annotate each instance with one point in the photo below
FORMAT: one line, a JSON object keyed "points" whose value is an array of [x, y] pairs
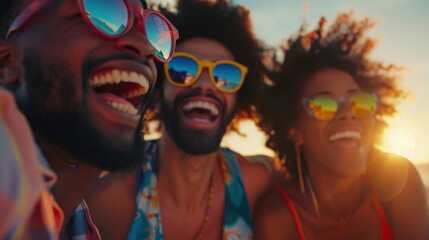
{"points": [[345, 111], [136, 43], [204, 83]]}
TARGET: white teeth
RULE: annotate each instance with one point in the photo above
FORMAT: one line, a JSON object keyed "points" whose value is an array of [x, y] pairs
{"points": [[136, 93], [124, 107], [109, 78], [202, 104], [139, 79], [117, 76], [201, 120], [345, 134], [103, 79], [96, 80], [124, 76]]}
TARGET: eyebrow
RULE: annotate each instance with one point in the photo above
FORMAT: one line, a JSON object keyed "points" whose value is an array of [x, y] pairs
{"points": [[321, 93], [353, 90], [327, 92]]}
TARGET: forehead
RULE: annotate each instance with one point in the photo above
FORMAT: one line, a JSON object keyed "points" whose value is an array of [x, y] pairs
{"points": [[204, 48], [330, 81]]}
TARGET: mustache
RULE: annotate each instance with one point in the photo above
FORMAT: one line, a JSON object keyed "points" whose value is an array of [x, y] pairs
{"points": [[198, 93], [92, 62]]}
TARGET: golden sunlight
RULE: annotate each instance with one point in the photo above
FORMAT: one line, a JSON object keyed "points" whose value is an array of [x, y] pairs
{"points": [[399, 141], [395, 140], [252, 143]]}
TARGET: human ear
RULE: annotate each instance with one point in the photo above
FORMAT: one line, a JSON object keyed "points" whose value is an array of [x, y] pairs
{"points": [[295, 135], [9, 69]]}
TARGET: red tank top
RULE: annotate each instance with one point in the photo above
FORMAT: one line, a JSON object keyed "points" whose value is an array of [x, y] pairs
{"points": [[386, 231]]}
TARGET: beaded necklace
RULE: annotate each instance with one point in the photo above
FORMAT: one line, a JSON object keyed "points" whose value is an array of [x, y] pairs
{"points": [[208, 208]]}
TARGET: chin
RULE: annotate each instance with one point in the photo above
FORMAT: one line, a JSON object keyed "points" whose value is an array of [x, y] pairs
{"points": [[344, 162], [349, 167]]}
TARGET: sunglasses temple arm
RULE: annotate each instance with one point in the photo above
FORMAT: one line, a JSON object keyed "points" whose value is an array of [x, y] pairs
{"points": [[174, 29], [23, 17]]}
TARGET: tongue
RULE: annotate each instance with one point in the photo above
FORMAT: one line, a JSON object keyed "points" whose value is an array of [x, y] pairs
{"points": [[199, 116], [108, 97], [346, 143]]}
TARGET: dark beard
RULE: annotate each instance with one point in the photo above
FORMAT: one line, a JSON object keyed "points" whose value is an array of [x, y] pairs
{"points": [[66, 121], [193, 141]]}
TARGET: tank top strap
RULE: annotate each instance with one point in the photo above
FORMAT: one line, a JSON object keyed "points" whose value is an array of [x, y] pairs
{"points": [[386, 230], [294, 212]]}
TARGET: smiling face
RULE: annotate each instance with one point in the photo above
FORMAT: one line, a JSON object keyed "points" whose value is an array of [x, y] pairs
{"points": [[196, 117], [340, 145], [83, 91]]}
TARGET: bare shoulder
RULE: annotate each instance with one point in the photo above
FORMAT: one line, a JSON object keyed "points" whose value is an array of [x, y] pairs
{"points": [[272, 218], [398, 186], [260, 159], [256, 166], [389, 174], [112, 204], [257, 176]]}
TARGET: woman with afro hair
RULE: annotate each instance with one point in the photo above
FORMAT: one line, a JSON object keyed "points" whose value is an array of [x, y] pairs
{"points": [[324, 116]]}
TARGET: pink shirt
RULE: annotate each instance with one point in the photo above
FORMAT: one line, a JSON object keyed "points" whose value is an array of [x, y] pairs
{"points": [[27, 208]]}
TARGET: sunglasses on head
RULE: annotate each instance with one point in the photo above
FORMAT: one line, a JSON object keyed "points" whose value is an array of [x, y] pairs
{"points": [[325, 107], [184, 69], [114, 18]]}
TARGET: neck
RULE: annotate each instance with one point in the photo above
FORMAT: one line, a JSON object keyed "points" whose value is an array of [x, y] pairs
{"points": [[72, 184], [187, 177], [338, 197]]}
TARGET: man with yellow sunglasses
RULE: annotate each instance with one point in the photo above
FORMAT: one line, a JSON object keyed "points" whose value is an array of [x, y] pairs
{"points": [[81, 76], [192, 188]]}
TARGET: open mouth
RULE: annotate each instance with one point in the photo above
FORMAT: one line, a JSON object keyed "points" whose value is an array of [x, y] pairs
{"points": [[346, 138], [121, 89], [200, 111]]}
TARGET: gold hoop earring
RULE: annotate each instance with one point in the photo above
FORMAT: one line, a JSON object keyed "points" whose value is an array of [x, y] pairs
{"points": [[299, 169]]}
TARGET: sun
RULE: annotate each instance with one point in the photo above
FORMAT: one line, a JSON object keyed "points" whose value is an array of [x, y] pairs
{"points": [[252, 143], [399, 141]]}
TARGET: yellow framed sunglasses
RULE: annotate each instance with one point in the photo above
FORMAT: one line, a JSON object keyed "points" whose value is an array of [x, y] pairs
{"points": [[184, 69]]}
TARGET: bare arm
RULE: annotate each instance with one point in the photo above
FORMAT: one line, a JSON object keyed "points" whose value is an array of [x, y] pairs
{"points": [[112, 204], [409, 211], [272, 219], [400, 189], [257, 177]]}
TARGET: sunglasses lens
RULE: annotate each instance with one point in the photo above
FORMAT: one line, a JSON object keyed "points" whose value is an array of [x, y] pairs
{"points": [[159, 36], [323, 108], [182, 70], [227, 76], [363, 104], [108, 16]]}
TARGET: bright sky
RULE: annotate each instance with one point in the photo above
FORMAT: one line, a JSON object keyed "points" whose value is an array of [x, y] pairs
{"points": [[404, 40]]}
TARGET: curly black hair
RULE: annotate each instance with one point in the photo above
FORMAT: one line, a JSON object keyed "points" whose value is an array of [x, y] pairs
{"points": [[231, 26], [345, 46]]}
